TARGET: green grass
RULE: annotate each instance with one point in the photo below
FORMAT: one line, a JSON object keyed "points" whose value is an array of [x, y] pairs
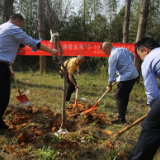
{"points": [[46, 90]]}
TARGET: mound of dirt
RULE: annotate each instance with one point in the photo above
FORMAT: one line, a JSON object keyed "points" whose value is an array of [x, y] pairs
{"points": [[73, 112], [67, 144], [32, 123]]}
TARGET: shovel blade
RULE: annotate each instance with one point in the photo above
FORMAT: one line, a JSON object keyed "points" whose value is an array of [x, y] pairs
{"points": [[23, 100], [78, 104], [89, 110]]}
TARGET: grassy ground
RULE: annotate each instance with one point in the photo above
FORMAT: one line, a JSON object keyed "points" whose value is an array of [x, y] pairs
{"points": [[46, 90]]}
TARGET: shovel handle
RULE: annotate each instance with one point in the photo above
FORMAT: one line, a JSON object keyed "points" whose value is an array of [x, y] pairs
{"points": [[17, 85], [130, 126], [105, 93], [76, 101], [95, 105], [77, 89], [10, 67]]}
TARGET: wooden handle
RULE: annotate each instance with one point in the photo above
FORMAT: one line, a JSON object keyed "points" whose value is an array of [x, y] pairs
{"points": [[130, 126], [105, 93], [10, 67], [77, 85]]}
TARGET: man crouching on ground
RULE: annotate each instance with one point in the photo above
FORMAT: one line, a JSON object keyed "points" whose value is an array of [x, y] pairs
{"points": [[73, 64]]}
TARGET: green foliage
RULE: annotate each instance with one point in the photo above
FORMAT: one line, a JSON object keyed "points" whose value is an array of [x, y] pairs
{"points": [[103, 70], [28, 9], [48, 154], [56, 139], [134, 20], [30, 149], [71, 154], [72, 30], [9, 117], [116, 31], [90, 138], [73, 136], [153, 24], [93, 124], [51, 84]]}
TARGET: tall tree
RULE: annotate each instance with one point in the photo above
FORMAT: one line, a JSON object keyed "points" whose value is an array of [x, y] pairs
{"points": [[7, 9], [134, 20], [28, 9], [110, 12], [54, 14], [143, 19], [116, 27], [142, 27], [40, 11], [153, 25], [126, 21]]}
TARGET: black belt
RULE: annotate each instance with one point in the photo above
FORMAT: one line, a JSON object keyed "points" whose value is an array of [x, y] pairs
{"points": [[4, 63]]}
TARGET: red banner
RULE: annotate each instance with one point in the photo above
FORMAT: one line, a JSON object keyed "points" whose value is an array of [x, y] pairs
{"points": [[75, 48]]}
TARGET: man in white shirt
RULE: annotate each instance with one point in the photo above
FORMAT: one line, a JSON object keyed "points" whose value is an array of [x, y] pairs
{"points": [[11, 35], [121, 61], [148, 49]]}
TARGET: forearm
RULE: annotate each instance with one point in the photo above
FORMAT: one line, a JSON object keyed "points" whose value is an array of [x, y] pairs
{"points": [[49, 50], [12, 73], [10, 67], [71, 79]]}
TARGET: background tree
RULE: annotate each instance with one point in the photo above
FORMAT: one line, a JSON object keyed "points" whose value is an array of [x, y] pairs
{"points": [[116, 27], [126, 21], [28, 9], [41, 30], [7, 10], [142, 27], [55, 15], [153, 25]]}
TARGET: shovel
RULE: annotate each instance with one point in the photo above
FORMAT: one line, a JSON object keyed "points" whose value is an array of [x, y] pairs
{"points": [[130, 126], [78, 104], [22, 98], [95, 106]]}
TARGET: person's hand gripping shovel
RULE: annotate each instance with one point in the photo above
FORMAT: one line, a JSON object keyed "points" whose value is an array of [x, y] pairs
{"points": [[78, 104], [22, 98], [95, 106]]}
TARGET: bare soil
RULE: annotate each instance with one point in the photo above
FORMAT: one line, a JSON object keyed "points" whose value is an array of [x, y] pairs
{"points": [[31, 123]]}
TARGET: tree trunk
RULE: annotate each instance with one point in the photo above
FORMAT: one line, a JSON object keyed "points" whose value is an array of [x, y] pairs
{"points": [[40, 11], [7, 10], [63, 124], [142, 28], [53, 23], [126, 22]]}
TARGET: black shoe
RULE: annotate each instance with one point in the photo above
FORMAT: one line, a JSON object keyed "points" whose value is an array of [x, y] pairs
{"points": [[119, 121], [3, 126]]}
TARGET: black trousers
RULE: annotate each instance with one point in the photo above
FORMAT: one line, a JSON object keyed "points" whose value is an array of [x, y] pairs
{"points": [[5, 83], [149, 139], [70, 87], [122, 96]]}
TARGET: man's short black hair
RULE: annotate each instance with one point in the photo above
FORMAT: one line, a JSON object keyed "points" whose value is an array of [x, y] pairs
{"points": [[148, 42], [16, 16]]}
